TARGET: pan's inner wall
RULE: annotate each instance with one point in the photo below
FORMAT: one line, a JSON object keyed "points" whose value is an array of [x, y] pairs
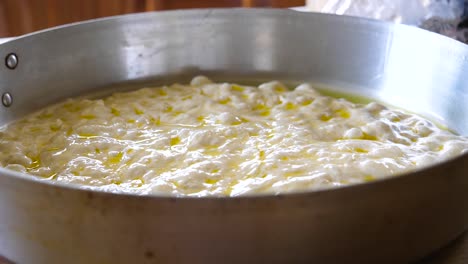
{"points": [[406, 67]]}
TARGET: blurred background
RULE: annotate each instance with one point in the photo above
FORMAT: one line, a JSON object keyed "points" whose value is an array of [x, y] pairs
{"points": [[19, 17], [447, 17]]}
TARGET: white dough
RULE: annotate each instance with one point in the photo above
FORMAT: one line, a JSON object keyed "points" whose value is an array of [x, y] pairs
{"points": [[221, 139]]}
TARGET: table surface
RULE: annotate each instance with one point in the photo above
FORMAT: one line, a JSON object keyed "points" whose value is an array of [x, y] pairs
{"points": [[454, 253]]}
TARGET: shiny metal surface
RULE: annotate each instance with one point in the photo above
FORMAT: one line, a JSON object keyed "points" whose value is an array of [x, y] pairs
{"points": [[7, 100], [390, 221], [11, 61], [5, 40]]}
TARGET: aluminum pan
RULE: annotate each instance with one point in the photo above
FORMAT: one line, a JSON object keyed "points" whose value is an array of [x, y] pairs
{"points": [[410, 68]]}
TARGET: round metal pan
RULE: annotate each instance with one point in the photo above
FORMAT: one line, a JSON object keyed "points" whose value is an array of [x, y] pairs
{"points": [[397, 220]]}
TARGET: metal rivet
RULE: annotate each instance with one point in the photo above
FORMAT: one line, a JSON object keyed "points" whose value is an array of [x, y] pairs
{"points": [[7, 100], [11, 61]]}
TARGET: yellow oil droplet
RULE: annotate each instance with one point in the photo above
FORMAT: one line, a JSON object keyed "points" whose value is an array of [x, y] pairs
{"points": [[71, 107], [115, 111], [211, 181], [70, 131], [325, 118], [253, 133], [239, 120], [97, 150], [53, 149], [131, 121], [168, 109], [86, 135], [230, 187], [366, 136], [161, 92], [116, 182], [293, 173], [343, 113], [284, 158], [140, 179], [138, 182], [259, 107], [289, 106], [174, 141], [261, 154], [279, 88], [89, 117], [155, 121], [369, 178], [440, 148], [237, 88], [215, 171], [176, 184], [116, 159], [361, 150], [262, 109], [200, 118], [138, 111], [395, 119], [350, 97], [54, 128], [307, 102], [225, 100]]}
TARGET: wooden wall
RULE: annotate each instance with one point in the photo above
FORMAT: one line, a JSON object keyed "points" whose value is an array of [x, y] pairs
{"points": [[19, 17]]}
